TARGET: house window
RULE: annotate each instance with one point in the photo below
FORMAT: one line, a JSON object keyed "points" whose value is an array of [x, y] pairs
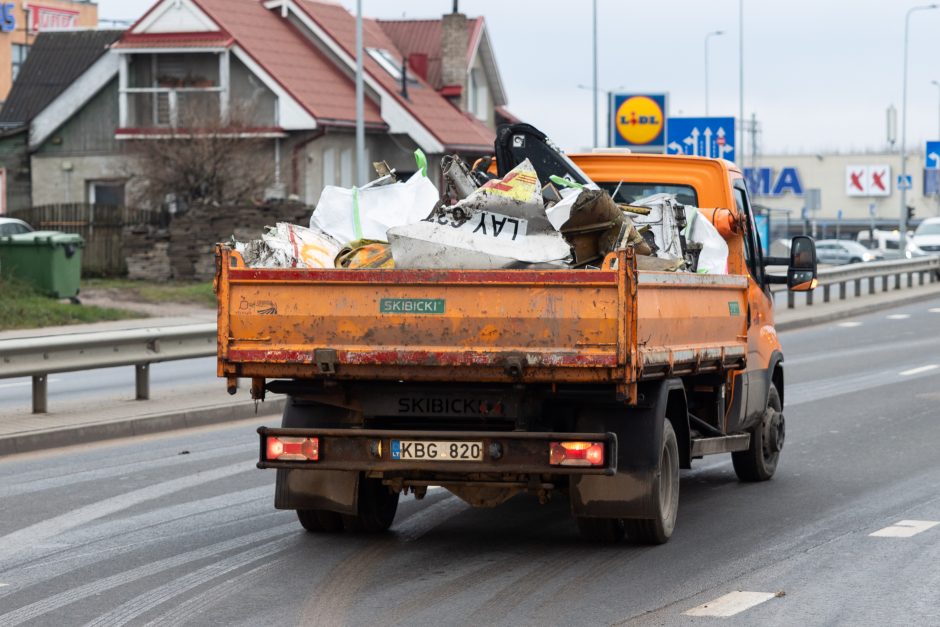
{"points": [[20, 52], [173, 90], [329, 167], [478, 95], [106, 193]]}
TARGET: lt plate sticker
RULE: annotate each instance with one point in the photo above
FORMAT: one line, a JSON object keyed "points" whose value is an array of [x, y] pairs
{"points": [[733, 308], [496, 225], [412, 305]]}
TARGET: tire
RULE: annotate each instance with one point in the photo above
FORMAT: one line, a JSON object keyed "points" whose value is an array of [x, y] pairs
{"points": [[665, 494], [855, 260], [601, 530], [759, 461], [320, 520], [377, 508]]}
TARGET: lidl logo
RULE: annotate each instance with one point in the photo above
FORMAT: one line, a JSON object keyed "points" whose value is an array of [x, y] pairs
{"points": [[638, 120]]}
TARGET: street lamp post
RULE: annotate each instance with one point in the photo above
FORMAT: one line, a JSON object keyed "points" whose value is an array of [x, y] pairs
{"points": [[902, 235], [595, 70], [740, 140], [707, 37], [937, 83]]}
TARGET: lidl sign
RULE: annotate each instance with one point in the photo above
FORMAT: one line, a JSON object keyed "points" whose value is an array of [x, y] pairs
{"points": [[638, 121]]}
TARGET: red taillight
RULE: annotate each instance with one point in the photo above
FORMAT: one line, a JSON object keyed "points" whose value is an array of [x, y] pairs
{"points": [[576, 453], [293, 449]]}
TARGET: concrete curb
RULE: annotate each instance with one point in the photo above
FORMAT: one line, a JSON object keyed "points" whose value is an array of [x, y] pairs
{"points": [[850, 312], [136, 425]]}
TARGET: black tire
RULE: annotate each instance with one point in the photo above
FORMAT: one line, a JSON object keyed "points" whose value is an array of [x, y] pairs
{"points": [[320, 520], [759, 461], [601, 530], [665, 493], [377, 507], [855, 260]]}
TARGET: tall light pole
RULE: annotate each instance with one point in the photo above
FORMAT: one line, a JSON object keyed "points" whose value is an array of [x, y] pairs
{"points": [[707, 37], [595, 72], [741, 144], [937, 83], [902, 235], [360, 103]]}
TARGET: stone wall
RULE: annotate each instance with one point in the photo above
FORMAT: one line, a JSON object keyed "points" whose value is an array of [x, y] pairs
{"points": [[185, 249]]}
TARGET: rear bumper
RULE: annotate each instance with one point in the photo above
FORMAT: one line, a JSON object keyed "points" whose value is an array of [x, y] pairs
{"points": [[369, 450]]}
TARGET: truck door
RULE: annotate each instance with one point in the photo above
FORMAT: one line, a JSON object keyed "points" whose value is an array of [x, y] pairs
{"points": [[759, 322]]}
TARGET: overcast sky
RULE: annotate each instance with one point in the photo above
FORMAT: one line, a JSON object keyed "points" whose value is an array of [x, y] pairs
{"points": [[819, 74]]}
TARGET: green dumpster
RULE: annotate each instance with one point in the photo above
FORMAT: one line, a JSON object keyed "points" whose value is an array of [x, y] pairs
{"points": [[51, 261]]}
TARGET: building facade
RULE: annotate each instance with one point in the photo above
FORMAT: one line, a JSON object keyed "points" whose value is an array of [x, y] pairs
{"points": [[852, 187], [22, 21], [284, 71]]}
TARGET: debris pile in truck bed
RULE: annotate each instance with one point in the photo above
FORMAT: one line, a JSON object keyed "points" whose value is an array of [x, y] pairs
{"points": [[543, 212]]}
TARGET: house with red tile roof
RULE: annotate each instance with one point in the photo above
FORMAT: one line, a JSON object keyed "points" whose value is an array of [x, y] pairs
{"points": [[286, 68]]}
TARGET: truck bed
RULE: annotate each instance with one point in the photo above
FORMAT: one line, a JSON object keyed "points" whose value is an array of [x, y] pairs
{"points": [[614, 325]]}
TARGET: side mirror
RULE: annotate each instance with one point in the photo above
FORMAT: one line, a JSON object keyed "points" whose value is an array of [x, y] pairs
{"points": [[801, 273]]}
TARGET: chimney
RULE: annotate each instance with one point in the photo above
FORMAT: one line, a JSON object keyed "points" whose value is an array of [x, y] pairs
{"points": [[454, 42], [418, 62]]}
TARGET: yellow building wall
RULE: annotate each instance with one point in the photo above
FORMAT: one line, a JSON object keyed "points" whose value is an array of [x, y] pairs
{"points": [[87, 18]]}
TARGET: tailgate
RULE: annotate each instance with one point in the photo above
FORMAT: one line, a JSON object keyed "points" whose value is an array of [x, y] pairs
{"points": [[454, 325]]}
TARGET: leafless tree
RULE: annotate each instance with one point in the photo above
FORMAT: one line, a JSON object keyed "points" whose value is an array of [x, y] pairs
{"points": [[203, 160]]}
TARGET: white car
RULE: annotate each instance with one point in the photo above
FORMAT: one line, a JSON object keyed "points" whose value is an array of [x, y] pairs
{"points": [[927, 236], [12, 226]]}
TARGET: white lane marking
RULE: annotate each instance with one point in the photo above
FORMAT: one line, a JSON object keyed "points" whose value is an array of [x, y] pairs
{"points": [[37, 533], [18, 384], [850, 324], [913, 371], [905, 529], [730, 604], [3, 584], [899, 316], [934, 310]]}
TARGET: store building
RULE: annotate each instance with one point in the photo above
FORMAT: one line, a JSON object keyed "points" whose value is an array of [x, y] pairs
{"points": [[22, 21], [854, 189]]}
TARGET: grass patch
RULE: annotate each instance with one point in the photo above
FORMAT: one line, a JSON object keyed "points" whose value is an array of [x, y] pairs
{"points": [[21, 307], [156, 293]]}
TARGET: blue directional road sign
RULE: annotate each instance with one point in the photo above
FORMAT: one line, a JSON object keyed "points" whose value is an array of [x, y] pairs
{"points": [[702, 137], [932, 153]]}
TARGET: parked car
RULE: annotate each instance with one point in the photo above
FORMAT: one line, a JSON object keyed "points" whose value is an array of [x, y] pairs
{"points": [[841, 251], [12, 226], [927, 236]]}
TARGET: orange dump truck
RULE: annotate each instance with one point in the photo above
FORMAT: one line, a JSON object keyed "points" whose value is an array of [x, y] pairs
{"points": [[595, 385]]}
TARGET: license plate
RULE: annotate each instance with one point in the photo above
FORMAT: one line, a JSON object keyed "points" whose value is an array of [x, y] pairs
{"points": [[437, 451]]}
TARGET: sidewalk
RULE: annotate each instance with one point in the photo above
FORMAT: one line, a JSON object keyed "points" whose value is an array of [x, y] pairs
{"points": [[89, 421]]}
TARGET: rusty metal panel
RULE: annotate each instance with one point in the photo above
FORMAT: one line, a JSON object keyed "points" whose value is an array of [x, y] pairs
{"points": [[394, 323]]}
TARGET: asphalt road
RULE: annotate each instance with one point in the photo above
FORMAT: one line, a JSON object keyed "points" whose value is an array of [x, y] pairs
{"points": [[180, 528]]}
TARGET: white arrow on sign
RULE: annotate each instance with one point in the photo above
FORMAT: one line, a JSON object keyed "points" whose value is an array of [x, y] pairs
{"points": [[675, 146], [936, 159], [708, 141]]}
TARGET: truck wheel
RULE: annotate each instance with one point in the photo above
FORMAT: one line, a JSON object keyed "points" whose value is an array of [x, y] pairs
{"points": [[377, 507], [665, 494], [601, 530], [320, 520], [759, 461]]}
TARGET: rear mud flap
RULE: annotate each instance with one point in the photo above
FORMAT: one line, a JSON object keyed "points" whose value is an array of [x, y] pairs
{"points": [[331, 490], [624, 495]]}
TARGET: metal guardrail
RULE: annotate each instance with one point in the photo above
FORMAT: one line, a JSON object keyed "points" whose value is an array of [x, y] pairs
{"points": [[39, 357], [926, 268]]}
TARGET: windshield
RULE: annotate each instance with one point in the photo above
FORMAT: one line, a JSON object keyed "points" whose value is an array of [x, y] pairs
{"points": [[928, 228], [629, 193]]}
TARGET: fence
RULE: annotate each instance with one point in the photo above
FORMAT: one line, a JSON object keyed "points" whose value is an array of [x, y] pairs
{"points": [[101, 226]]}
